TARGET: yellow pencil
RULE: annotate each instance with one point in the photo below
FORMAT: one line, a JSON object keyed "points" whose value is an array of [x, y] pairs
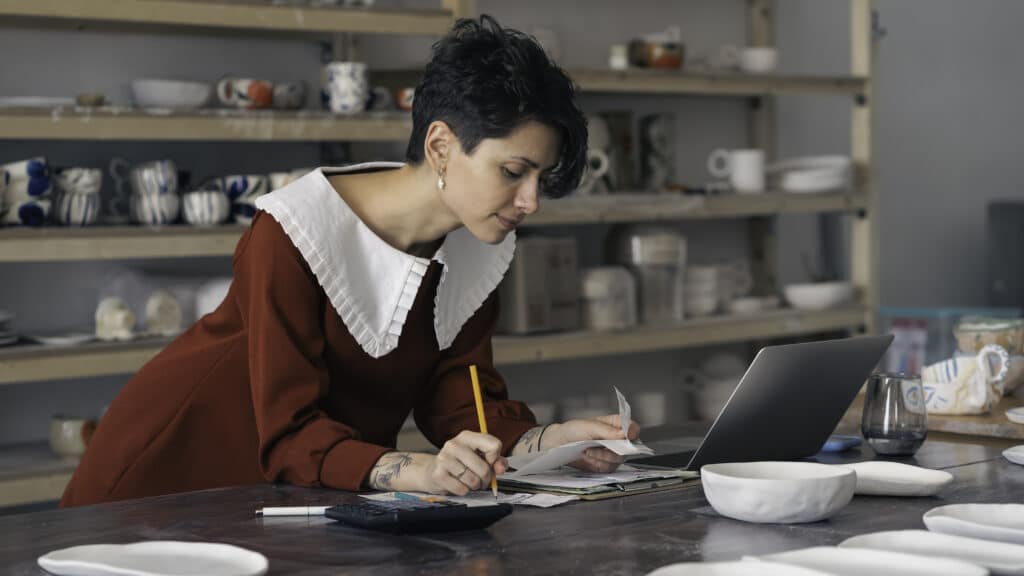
{"points": [[480, 414]]}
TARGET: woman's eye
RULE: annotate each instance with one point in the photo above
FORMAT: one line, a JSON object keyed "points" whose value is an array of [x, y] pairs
{"points": [[509, 173]]}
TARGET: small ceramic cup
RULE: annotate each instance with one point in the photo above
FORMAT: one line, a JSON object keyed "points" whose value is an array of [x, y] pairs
{"points": [[84, 180], [155, 209], [205, 207], [35, 212], [289, 95], [32, 168], [76, 208], [70, 435], [238, 186], [406, 97], [345, 88], [244, 209], [247, 93]]}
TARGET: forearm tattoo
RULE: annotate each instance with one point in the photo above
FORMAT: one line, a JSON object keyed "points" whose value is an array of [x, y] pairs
{"points": [[388, 468], [531, 439]]}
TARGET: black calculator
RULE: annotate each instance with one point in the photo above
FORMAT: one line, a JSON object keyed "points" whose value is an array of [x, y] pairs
{"points": [[412, 516]]}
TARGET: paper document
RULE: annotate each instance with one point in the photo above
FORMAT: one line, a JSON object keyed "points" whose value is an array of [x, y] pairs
{"points": [[485, 498], [573, 478], [573, 451]]}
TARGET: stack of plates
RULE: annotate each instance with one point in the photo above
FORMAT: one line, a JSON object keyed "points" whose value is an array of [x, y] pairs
{"points": [[811, 174]]}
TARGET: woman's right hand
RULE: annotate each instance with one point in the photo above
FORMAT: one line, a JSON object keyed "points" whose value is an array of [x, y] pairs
{"points": [[465, 463]]}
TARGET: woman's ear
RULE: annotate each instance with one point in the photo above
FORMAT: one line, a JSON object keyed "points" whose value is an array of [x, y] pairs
{"points": [[437, 145]]}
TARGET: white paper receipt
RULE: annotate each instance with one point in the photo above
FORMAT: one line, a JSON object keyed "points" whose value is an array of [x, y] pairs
{"points": [[573, 451]]}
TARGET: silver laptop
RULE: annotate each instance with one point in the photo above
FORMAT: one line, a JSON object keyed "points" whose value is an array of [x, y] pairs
{"points": [[785, 407]]}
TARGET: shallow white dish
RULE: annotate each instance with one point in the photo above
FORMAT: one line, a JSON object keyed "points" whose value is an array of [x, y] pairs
{"points": [[827, 162], [818, 295], [999, 557], [1015, 454], [777, 492], [62, 339], [155, 558], [35, 102], [880, 478], [1016, 415], [737, 568], [171, 94], [859, 561], [999, 522]]}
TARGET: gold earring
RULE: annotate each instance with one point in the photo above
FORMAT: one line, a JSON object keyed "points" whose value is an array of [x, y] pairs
{"points": [[441, 184]]}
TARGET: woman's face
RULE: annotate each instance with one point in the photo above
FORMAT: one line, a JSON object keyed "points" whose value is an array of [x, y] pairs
{"points": [[492, 190]]}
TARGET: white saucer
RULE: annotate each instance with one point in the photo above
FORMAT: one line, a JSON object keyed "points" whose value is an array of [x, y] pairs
{"points": [[736, 568], [999, 557], [35, 102], [999, 522], [1016, 415], [858, 561], [73, 339], [154, 558], [1015, 454], [880, 478]]}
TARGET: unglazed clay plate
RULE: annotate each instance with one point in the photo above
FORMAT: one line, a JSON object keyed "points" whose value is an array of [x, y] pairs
{"points": [[880, 478], [999, 557], [1000, 522], [154, 558], [1015, 454], [859, 561], [734, 569]]}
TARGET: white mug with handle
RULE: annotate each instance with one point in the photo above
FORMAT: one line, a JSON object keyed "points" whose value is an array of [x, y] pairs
{"points": [[743, 168]]}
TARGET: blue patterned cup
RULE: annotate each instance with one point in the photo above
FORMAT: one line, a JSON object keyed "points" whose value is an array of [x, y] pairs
{"points": [[154, 209], [76, 208], [205, 207], [345, 88], [33, 212]]}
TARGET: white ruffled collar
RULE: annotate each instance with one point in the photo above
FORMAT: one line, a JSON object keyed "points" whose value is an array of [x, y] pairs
{"points": [[371, 284]]}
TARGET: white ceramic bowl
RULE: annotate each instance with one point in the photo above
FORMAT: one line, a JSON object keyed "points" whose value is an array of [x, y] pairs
{"points": [[174, 94], [818, 296], [777, 492]]}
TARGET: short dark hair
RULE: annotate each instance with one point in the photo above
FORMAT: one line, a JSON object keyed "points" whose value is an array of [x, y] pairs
{"points": [[485, 81]]}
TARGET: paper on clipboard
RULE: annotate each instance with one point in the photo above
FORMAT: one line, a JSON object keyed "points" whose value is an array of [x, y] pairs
{"points": [[568, 453]]}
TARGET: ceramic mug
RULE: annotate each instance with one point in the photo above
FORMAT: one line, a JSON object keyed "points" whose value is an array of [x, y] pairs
{"points": [[84, 180], [239, 186], [154, 209], [380, 99], [245, 93], [344, 87], [76, 208], [156, 177], [966, 384], [752, 59], [743, 168], [32, 168], [597, 167], [406, 96], [114, 320], [24, 189], [205, 207], [289, 95], [34, 212], [69, 435]]}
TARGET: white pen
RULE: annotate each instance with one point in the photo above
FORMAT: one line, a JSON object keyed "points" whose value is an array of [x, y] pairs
{"points": [[292, 511]]}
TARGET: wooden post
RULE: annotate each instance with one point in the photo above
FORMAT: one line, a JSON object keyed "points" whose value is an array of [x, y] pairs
{"points": [[864, 233], [761, 134], [460, 8]]}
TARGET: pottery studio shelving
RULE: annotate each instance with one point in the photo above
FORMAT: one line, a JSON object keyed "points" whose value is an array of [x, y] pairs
{"points": [[31, 473]]}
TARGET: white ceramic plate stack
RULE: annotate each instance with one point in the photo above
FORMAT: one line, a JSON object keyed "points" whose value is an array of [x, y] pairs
{"points": [[859, 561], [7, 337], [813, 174], [996, 522], [819, 295], [999, 557], [154, 558]]}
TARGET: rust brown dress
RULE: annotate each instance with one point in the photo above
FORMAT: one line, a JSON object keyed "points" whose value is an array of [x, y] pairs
{"points": [[271, 387]]}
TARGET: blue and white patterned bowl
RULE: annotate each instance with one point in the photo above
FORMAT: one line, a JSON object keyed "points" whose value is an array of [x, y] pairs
{"points": [[205, 207], [33, 212], [75, 208]]}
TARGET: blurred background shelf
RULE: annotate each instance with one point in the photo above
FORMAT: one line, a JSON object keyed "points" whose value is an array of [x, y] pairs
{"points": [[35, 363], [712, 84], [127, 242], [32, 473], [74, 123], [992, 425], [226, 15]]}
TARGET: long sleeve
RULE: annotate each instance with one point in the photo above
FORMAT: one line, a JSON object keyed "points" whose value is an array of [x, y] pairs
{"points": [[447, 406], [281, 304]]}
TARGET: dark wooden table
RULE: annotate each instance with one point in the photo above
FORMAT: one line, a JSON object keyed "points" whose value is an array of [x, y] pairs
{"points": [[630, 535]]}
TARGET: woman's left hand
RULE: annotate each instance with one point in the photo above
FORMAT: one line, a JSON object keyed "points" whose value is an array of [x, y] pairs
{"points": [[600, 428]]}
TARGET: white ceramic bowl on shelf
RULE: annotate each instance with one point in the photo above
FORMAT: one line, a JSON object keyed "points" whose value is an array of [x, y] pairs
{"points": [[778, 492], [173, 94], [819, 296]]}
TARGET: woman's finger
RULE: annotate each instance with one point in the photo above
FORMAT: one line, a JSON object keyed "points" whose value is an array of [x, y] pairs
{"points": [[614, 421], [488, 446], [603, 455], [469, 467]]}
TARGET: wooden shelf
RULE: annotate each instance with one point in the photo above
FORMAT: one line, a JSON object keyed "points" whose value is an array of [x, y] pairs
{"points": [[692, 333], [31, 473], [111, 123], [993, 425], [127, 242], [36, 363], [191, 15], [711, 84]]}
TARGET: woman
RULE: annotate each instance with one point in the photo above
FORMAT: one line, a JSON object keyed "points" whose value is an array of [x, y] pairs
{"points": [[363, 294]]}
